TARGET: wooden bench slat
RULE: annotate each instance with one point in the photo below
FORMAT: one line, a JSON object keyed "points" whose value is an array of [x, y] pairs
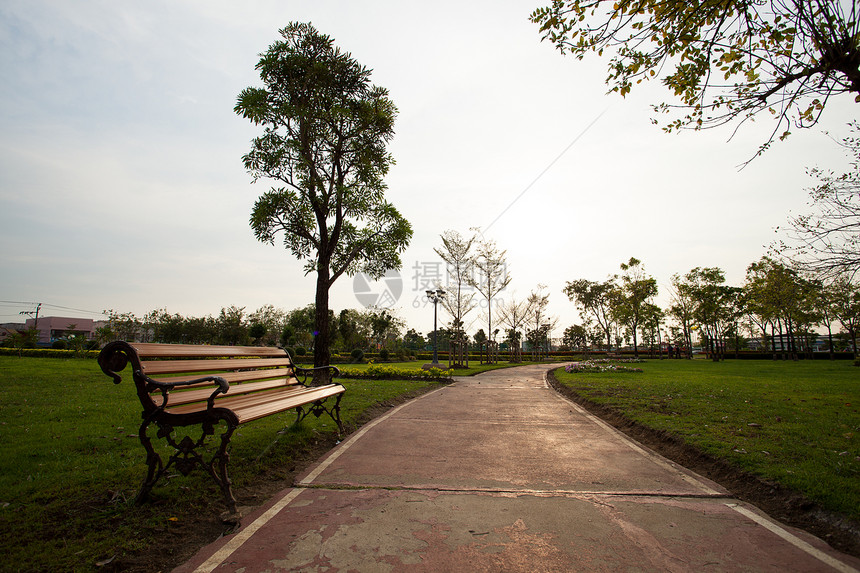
{"points": [[232, 402], [201, 394], [270, 401], [261, 410], [153, 350], [231, 377], [151, 367]]}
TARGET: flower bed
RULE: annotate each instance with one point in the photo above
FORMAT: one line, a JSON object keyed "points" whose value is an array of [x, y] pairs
{"points": [[602, 365], [383, 372]]}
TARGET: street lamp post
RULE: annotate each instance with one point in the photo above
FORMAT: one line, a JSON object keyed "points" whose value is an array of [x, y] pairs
{"points": [[435, 296], [546, 328]]}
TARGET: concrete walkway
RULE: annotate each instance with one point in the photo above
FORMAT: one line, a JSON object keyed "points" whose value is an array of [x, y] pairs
{"points": [[499, 473]]}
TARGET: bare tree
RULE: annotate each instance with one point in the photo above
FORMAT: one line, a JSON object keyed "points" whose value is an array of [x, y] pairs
{"points": [[826, 241], [491, 277], [540, 321], [513, 314], [456, 252]]}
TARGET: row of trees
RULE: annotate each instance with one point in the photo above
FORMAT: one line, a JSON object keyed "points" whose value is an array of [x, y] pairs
{"points": [[268, 326], [777, 304], [476, 266]]}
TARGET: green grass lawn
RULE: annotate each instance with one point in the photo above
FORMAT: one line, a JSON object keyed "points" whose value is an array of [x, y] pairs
{"points": [[71, 462], [796, 423]]}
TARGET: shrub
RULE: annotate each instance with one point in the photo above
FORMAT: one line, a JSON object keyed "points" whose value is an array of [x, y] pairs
{"points": [[383, 354], [385, 372], [300, 351], [357, 355], [46, 353], [59, 345]]}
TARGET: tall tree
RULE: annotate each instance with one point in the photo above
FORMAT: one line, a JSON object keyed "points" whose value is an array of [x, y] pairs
{"points": [[491, 277], [513, 314], [352, 329], [540, 320], [651, 320], [575, 336], [460, 262], [272, 319], [232, 326], [595, 299], [822, 300], [846, 307], [636, 291], [682, 308], [715, 309], [724, 61], [787, 299], [325, 131]]}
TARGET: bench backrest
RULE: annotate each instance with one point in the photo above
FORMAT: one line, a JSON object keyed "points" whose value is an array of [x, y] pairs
{"points": [[245, 368]]}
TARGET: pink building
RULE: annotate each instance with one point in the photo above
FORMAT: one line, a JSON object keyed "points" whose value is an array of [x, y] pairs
{"points": [[52, 328]]}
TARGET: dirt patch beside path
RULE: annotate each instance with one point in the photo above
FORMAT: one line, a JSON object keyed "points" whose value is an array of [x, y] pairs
{"points": [[789, 507]]}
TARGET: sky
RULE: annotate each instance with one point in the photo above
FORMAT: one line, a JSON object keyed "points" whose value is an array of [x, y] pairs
{"points": [[122, 185]]}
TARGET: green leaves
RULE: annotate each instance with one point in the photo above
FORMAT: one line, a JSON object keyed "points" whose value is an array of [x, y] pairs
{"points": [[731, 58], [324, 141]]}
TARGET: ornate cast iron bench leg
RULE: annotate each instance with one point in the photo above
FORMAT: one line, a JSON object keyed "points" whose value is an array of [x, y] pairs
{"points": [[154, 465], [318, 409], [186, 457]]}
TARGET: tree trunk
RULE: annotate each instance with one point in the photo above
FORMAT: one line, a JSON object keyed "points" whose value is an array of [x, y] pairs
{"points": [[635, 344], [792, 345], [322, 339], [853, 333], [688, 340]]}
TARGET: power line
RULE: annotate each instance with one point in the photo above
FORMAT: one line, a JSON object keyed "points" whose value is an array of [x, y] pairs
{"points": [[75, 309], [547, 168], [47, 304]]}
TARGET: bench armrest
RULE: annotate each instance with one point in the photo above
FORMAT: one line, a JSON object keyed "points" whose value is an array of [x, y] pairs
{"points": [[305, 372], [166, 387]]}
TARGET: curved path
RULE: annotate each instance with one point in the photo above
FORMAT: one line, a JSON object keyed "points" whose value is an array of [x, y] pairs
{"points": [[498, 472]]}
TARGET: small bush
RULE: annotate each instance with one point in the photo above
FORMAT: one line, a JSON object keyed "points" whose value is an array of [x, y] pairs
{"points": [[357, 355], [47, 353], [300, 351], [59, 345], [383, 354], [385, 372]]}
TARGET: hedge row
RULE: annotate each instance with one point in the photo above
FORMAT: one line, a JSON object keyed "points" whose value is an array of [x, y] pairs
{"points": [[48, 353]]}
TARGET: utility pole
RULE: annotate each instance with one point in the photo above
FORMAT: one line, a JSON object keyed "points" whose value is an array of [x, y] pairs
{"points": [[31, 313]]}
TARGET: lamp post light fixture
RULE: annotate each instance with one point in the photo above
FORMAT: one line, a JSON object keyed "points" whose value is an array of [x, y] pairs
{"points": [[435, 296], [546, 328]]}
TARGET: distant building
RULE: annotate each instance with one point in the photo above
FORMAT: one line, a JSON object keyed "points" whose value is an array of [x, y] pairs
{"points": [[10, 328], [779, 343], [53, 328]]}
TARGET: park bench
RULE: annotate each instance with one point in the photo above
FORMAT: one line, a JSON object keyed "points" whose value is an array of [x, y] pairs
{"points": [[212, 387]]}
